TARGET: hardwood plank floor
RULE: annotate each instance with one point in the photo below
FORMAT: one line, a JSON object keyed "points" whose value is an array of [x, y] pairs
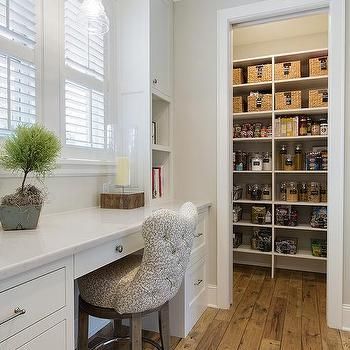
{"points": [[287, 312]]}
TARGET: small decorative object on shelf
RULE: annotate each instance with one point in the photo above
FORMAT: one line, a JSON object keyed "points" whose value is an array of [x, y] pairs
{"points": [[29, 149], [261, 239], [237, 239], [319, 247], [286, 216], [319, 217], [237, 213], [284, 245]]}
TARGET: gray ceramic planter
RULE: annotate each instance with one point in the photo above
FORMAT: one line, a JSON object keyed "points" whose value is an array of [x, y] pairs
{"points": [[19, 218]]}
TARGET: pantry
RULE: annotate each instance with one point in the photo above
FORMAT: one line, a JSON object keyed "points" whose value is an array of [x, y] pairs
{"points": [[280, 143]]}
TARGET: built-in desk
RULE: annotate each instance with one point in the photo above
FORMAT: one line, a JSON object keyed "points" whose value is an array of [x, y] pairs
{"points": [[38, 268]]}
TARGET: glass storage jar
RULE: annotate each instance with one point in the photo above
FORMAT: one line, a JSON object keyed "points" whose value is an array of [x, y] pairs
{"points": [[314, 192], [256, 193], [292, 192], [298, 153], [323, 193], [315, 128], [289, 162], [257, 162], [283, 153], [283, 191], [303, 126], [303, 192], [266, 192], [267, 162]]}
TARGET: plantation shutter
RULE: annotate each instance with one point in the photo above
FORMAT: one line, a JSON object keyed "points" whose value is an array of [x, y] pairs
{"points": [[84, 84], [17, 75]]}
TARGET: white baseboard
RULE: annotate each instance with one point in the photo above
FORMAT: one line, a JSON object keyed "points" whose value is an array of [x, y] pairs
{"points": [[346, 317], [212, 296]]}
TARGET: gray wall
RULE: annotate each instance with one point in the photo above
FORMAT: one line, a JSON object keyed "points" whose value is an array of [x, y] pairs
{"points": [[195, 113]]}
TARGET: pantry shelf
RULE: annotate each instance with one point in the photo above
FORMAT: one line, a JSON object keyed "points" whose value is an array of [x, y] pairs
{"points": [[301, 138], [301, 228], [310, 204], [252, 139], [301, 172], [249, 201], [306, 83], [251, 172], [245, 248], [246, 88], [302, 111], [249, 224], [252, 115], [301, 254]]}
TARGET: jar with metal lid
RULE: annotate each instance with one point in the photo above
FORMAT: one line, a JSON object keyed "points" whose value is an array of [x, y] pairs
{"points": [[323, 193], [314, 192], [283, 152], [267, 162], [323, 127], [248, 191], [309, 125], [298, 152], [257, 162], [302, 126], [303, 192], [315, 128], [292, 192], [289, 162], [283, 191], [256, 192], [266, 192]]}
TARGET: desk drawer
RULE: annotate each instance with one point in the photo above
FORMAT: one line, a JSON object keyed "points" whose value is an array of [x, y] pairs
{"points": [[32, 301], [200, 235], [94, 258]]}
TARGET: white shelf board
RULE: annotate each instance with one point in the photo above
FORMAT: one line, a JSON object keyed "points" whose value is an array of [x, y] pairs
{"points": [[249, 224], [309, 204], [306, 111], [301, 172], [301, 228], [245, 248], [252, 139], [301, 55], [251, 172], [306, 83], [301, 138], [252, 115], [161, 148], [301, 254], [248, 201], [247, 87]]}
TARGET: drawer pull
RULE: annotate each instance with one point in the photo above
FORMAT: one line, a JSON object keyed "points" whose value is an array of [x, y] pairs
{"points": [[198, 282], [16, 312], [198, 235], [119, 248]]}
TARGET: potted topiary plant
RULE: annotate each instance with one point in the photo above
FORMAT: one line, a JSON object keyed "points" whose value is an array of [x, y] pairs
{"points": [[30, 149]]}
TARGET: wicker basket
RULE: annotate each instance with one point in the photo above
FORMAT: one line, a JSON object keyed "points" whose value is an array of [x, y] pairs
{"points": [[259, 102], [260, 72], [237, 76], [288, 100], [237, 104], [287, 70], [318, 66], [318, 98]]}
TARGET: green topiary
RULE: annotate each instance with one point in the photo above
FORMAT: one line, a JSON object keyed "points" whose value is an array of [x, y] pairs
{"points": [[30, 149]]}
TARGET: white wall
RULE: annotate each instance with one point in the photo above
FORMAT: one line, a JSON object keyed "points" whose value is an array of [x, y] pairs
{"points": [[195, 113]]}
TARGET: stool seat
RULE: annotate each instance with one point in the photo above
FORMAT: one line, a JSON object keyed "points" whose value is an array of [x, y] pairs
{"points": [[102, 287]]}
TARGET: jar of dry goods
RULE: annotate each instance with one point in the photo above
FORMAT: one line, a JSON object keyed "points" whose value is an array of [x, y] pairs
{"points": [[298, 152], [324, 193], [309, 125], [292, 192], [257, 162], [289, 162], [283, 191], [256, 192], [303, 126], [323, 127], [314, 192], [266, 192], [248, 190], [283, 152], [267, 162], [303, 192], [315, 128]]}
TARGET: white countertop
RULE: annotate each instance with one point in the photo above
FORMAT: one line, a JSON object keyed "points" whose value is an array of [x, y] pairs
{"points": [[63, 234]]}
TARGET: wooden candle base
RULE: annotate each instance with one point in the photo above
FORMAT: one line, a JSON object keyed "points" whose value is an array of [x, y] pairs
{"points": [[122, 200]]}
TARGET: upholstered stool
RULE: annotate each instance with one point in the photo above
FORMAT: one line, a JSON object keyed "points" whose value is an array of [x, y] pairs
{"points": [[135, 286]]}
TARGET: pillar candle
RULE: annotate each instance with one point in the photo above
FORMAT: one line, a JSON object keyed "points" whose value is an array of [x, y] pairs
{"points": [[123, 172]]}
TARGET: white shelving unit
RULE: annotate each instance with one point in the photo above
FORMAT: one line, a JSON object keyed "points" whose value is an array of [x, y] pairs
{"points": [[303, 231]]}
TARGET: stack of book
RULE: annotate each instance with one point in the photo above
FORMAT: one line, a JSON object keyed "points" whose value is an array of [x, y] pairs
{"points": [[157, 182]]}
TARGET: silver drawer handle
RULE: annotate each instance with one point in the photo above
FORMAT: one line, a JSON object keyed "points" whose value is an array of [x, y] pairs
{"points": [[198, 282], [119, 248], [198, 235], [155, 81], [16, 312]]}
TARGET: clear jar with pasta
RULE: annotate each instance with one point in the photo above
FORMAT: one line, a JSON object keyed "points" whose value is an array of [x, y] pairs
{"points": [[292, 192], [314, 194]]}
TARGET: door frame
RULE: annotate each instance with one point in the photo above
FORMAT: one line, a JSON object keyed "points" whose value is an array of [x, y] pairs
{"points": [[265, 10]]}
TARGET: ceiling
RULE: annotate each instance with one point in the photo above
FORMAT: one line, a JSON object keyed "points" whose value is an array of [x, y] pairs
{"points": [[289, 28]]}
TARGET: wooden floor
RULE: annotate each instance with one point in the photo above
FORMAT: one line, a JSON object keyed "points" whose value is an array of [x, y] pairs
{"points": [[287, 312]]}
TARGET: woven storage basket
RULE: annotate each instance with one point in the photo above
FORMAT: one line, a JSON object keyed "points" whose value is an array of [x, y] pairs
{"points": [[237, 104], [288, 100], [259, 102], [318, 66], [237, 76], [260, 72], [318, 98], [287, 70]]}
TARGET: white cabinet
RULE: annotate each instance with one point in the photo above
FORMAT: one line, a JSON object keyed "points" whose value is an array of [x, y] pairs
{"points": [[161, 46]]}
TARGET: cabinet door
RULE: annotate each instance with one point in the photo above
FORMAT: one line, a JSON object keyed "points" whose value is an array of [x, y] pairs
{"points": [[53, 339], [161, 45]]}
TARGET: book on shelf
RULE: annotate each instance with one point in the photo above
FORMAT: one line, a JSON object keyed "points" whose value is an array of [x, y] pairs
{"points": [[154, 133], [157, 182]]}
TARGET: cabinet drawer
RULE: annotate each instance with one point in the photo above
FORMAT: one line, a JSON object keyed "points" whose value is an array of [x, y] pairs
{"points": [[196, 278], [200, 235], [32, 301], [94, 258]]}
